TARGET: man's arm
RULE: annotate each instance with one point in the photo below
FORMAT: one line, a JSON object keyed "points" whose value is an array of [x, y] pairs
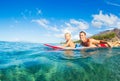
{"points": [[100, 41], [95, 41]]}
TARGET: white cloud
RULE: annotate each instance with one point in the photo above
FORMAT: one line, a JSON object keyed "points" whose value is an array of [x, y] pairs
{"points": [[107, 20], [97, 24], [61, 35], [88, 34], [79, 24], [118, 24], [113, 4], [16, 21], [68, 28], [54, 29], [75, 37], [42, 22], [46, 24], [27, 14], [72, 26], [39, 11], [23, 15]]}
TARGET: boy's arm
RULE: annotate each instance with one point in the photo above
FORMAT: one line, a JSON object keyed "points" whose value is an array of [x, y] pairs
{"points": [[67, 44]]}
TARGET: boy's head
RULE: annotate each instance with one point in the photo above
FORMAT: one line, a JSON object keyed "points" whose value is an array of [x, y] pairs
{"points": [[67, 36]]}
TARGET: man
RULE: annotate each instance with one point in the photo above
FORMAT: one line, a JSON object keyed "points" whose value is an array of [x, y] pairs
{"points": [[69, 42], [89, 42]]}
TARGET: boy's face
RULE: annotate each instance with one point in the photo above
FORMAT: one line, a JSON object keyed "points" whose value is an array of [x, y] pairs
{"points": [[67, 36]]}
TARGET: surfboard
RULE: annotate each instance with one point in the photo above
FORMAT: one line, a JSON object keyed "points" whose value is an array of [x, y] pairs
{"points": [[68, 48], [53, 47]]}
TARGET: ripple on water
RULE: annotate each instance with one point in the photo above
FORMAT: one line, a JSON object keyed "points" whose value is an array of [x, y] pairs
{"points": [[18, 60]]}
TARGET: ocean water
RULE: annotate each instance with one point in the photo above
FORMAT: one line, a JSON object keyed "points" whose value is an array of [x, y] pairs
{"points": [[36, 62]]}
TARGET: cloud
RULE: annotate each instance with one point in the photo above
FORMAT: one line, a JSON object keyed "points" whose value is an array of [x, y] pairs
{"points": [[88, 34], [28, 14], [60, 35], [68, 28], [46, 24], [79, 24], [106, 20], [54, 29], [75, 37], [39, 11], [113, 4], [72, 26], [42, 22], [23, 15], [97, 24]]}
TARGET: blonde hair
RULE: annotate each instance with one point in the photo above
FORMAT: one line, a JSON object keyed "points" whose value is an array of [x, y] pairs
{"points": [[68, 34]]}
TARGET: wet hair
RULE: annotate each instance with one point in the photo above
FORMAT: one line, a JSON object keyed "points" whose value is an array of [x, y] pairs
{"points": [[82, 32]]}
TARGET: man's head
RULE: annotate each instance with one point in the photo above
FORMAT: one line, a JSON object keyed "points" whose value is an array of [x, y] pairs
{"points": [[82, 35], [67, 36]]}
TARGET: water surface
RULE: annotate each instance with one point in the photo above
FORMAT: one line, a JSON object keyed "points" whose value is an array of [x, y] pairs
{"points": [[35, 62]]}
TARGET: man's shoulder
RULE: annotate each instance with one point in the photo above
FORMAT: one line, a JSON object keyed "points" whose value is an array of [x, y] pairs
{"points": [[91, 39]]}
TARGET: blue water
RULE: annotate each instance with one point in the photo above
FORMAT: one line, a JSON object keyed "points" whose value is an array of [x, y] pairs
{"points": [[35, 62]]}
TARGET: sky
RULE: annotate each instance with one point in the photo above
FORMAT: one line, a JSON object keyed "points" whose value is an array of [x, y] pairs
{"points": [[46, 21]]}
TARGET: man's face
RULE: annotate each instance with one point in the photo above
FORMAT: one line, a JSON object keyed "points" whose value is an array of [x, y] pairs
{"points": [[82, 36], [67, 36]]}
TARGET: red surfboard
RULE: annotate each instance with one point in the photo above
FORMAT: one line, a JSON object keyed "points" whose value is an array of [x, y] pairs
{"points": [[53, 47], [79, 48]]}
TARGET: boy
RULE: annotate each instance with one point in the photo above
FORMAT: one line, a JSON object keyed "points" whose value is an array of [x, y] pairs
{"points": [[69, 42]]}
